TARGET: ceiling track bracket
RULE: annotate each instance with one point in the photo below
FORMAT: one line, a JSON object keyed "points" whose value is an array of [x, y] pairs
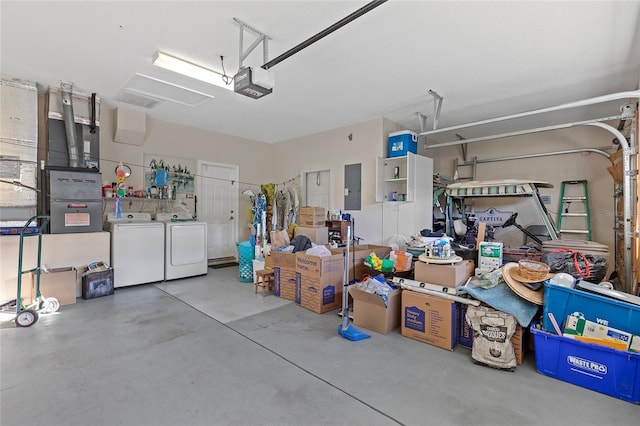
{"points": [[463, 149], [422, 119], [437, 107], [262, 38]]}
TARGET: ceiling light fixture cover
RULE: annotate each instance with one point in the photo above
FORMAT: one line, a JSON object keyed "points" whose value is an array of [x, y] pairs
{"points": [[189, 69]]}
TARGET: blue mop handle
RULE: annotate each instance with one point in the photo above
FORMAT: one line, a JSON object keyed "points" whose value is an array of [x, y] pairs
{"points": [[345, 283]]}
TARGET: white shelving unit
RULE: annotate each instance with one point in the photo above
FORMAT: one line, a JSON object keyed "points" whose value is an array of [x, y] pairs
{"points": [[414, 179]]}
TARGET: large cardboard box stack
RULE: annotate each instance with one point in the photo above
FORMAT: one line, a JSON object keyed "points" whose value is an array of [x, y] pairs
{"points": [[454, 275], [429, 319], [465, 336], [312, 217], [318, 235], [285, 277], [320, 281], [369, 310], [56, 282]]}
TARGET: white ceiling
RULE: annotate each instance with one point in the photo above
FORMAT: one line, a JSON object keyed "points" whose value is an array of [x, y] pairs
{"points": [[485, 58]]}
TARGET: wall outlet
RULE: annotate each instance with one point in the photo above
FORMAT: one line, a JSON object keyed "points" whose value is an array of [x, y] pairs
{"points": [[546, 199]]}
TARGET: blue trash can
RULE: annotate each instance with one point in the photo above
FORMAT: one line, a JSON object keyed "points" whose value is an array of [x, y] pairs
{"points": [[246, 255]]}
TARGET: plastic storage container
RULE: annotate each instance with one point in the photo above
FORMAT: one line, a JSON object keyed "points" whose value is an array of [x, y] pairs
{"points": [[563, 301], [246, 255], [595, 367], [98, 283], [402, 142]]}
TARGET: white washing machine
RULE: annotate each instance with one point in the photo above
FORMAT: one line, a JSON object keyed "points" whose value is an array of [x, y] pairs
{"points": [[185, 245], [137, 249]]}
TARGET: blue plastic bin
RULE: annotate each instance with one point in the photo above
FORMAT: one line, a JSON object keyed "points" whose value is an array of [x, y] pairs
{"points": [[246, 254], [563, 301], [591, 366]]}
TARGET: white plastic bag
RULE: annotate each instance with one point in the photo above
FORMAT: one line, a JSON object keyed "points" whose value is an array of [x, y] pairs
{"points": [[319, 251]]}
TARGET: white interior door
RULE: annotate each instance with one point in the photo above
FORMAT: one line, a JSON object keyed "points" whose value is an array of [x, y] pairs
{"points": [[218, 206], [317, 188]]}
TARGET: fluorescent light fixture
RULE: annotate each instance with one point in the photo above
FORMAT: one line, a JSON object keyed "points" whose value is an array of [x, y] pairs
{"points": [[190, 69]]}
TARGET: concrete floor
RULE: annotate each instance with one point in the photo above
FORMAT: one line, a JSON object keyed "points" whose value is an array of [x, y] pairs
{"points": [[207, 351]]}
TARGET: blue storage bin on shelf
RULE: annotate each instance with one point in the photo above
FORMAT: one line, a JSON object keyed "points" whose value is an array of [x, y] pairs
{"points": [[595, 367], [564, 301], [246, 254], [400, 143]]}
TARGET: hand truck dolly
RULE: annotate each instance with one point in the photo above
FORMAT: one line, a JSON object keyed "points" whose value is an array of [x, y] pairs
{"points": [[27, 314]]}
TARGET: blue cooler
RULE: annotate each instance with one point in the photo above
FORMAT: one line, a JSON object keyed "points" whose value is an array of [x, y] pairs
{"points": [[400, 143]]}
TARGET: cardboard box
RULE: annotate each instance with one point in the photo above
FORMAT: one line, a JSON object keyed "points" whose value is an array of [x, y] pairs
{"points": [[286, 284], [318, 235], [283, 260], [312, 217], [578, 327], [454, 275], [321, 280], [518, 343], [465, 336], [328, 267], [320, 294], [370, 312], [56, 282], [27, 291], [357, 256], [429, 319], [313, 211]]}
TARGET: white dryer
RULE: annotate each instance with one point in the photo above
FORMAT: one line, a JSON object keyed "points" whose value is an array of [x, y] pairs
{"points": [[137, 249], [185, 245]]}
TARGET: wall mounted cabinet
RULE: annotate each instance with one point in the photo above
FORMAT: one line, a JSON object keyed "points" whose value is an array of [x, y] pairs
{"points": [[408, 180]]}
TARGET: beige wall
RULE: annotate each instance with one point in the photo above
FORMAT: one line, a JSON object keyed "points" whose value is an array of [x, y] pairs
{"points": [[333, 150], [175, 141], [552, 169], [261, 163], [58, 251]]}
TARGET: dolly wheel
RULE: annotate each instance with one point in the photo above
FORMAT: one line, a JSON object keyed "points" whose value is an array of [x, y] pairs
{"points": [[26, 318], [50, 305]]}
